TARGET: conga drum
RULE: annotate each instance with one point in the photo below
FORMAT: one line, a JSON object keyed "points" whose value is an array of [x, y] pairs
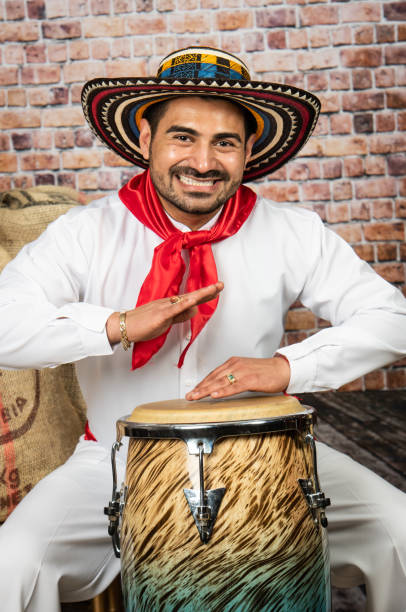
{"points": [[221, 508]]}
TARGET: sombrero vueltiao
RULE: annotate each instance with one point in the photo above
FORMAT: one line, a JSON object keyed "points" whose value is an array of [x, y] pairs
{"points": [[285, 115]]}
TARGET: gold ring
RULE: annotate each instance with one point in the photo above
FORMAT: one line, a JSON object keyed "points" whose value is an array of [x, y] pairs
{"points": [[231, 378], [175, 299]]}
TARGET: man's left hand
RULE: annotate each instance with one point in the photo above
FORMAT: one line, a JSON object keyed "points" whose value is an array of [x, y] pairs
{"points": [[249, 374]]}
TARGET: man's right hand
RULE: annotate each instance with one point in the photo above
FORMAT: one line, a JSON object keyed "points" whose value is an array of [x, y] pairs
{"points": [[154, 318]]}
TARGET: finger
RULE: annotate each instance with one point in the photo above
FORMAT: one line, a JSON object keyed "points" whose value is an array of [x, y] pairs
{"points": [[188, 300], [217, 386]]}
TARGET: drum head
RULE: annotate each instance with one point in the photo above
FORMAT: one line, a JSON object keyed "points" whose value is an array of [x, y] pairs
{"points": [[216, 411]]}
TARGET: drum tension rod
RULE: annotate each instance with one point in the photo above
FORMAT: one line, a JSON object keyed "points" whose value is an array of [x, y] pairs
{"points": [[115, 508], [314, 496]]}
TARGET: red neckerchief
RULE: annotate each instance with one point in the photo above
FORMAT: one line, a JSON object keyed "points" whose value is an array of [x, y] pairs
{"points": [[167, 270]]}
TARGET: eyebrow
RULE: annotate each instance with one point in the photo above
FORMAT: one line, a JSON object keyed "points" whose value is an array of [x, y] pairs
{"points": [[192, 132]]}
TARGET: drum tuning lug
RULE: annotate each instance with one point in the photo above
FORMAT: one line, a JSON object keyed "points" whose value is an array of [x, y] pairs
{"points": [[116, 506]]}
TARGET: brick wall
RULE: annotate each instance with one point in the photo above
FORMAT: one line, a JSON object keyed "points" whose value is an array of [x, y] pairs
{"points": [[351, 54]]}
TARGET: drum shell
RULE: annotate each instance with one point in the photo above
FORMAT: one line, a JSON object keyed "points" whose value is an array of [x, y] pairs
{"points": [[265, 552]]}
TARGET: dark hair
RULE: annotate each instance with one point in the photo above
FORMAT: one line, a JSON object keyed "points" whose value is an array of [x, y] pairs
{"points": [[155, 112]]}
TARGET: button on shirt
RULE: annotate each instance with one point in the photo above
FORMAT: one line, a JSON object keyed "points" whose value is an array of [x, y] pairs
{"points": [[56, 296]]}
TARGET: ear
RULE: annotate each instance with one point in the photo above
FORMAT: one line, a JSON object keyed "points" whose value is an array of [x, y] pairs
{"points": [[145, 138], [248, 147]]}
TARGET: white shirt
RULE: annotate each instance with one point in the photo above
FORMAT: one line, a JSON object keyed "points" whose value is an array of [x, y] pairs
{"points": [[57, 294]]}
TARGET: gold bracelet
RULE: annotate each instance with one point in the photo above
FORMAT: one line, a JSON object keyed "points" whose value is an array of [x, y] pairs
{"points": [[123, 332]]}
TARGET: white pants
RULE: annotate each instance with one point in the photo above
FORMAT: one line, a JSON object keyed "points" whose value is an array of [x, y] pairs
{"points": [[54, 547]]}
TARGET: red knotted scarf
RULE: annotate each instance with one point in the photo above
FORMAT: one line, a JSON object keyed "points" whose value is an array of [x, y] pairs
{"points": [[167, 270]]}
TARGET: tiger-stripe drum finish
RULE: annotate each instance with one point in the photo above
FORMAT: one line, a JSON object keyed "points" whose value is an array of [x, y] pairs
{"points": [[265, 551]]}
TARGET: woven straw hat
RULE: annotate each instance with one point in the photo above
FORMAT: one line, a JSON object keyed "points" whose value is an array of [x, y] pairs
{"points": [[285, 115]]}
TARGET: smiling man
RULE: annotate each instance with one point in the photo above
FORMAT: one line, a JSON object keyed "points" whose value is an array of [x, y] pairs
{"points": [[195, 273]]}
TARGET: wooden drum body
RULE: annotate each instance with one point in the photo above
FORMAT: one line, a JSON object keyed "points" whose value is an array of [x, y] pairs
{"points": [[222, 508]]}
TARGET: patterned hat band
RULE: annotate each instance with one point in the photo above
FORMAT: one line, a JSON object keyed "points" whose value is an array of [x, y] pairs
{"points": [[285, 115]]}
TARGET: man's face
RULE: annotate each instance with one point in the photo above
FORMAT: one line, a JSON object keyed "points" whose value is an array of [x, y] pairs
{"points": [[197, 156]]}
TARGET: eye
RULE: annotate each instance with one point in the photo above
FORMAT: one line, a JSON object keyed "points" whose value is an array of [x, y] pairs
{"points": [[182, 137], [225, 143]]}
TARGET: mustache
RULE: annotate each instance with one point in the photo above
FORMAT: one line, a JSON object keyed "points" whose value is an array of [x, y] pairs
{"points": [[210, 174]]}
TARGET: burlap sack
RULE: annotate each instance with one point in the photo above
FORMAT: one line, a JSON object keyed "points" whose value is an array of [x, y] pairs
{"points": [[42, 412]]}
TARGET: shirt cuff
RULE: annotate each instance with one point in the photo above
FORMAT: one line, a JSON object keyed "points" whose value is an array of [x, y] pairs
{"points": [[90, 324], [302, 370]]}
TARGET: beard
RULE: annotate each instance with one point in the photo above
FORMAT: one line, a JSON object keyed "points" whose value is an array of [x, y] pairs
{"points": [[195, 202]]}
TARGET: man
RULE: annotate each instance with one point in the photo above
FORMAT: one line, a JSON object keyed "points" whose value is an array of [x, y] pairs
{"points": [[213, 270]]}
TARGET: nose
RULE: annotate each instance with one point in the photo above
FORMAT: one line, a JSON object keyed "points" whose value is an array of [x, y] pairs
{"points": [[203, 157]]}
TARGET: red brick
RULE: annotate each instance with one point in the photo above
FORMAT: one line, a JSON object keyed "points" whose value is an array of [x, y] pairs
{"points": [[395, 54], [401, 117], [341, 36], [385, 33], [168, 5], [366, 56], [108, 180], [364, 35], [14, 54], [23, 181], [280, 175], [341, 123], [44, 179], [153, 24], [385, 122], [402, 187], [194, 22], [303, 171], [360, 12], [362, 79], [57, 8], [103, 26], [79, 50], [401, 32], [38, 96], [375, 380], [5, 183], [384, 231], [87, 180], [338, 213], [326, 15], [36, 9], [100, 7], [397, 164], [345, 145], [122, 68], [350, 232], [276, 18], [360, 211], [401, 75], [319, 37], [396, 378], [363, 100], [401, 208], [280, 192], [15, 9], [62, 29], [342, 190], [111, 159], [375, 188], [316, 191], [42, 139], [384, 77], [363, 123], [189, 5], [298, 81], [35, 53], [22, 32], [317, 81], [232, 20], [394, 11], [355, 385], [297, 39], [332, 168], [275, 40], [313, 60], [375, 165], [8, 162], [57, 52], [21, 140], [320, 209], [63, 139], [81, 159], [231, 42], [39, 161], [300, 319], [396, 99], [387, 252], [83, 71], [295, 337], [274, 60], [4, 142], [63, 117], [8, 76], [330, 102], [19, 119], [387, 143], [392, 272], [84, 138], [365, 251], [402, 249], [353, 167], [67, 179]]}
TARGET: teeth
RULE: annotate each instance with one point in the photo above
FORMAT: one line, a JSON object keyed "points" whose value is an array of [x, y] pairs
{"points": [[189, 181]]}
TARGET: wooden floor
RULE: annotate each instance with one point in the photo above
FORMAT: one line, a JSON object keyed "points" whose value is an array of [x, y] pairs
{"points": [[370, 427]]}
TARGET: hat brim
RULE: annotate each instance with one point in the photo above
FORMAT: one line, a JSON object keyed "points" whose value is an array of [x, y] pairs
{"points": [[285, 115]]}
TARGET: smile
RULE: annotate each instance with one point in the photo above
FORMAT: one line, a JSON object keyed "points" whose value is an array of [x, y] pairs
{"points": [[187, 180]]}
